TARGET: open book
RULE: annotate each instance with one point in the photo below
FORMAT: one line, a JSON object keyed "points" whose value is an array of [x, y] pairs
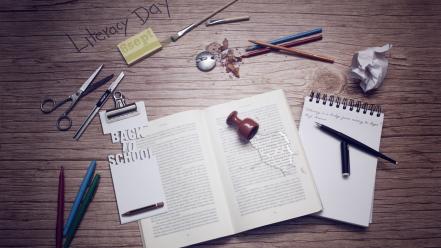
{"points": [[215, 184]]}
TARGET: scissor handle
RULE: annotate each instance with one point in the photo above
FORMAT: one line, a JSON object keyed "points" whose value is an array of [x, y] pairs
{"points": [[64, 123], [48, 105]]}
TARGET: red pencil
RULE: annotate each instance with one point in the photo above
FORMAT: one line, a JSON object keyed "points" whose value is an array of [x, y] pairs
{"points": [[60, 211], [289, 44]]}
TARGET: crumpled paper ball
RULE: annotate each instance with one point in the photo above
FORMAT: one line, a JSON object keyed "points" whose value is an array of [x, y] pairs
{"points": [[369, 66]]}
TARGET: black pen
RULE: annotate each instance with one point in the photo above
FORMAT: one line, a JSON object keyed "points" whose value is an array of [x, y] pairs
{"points": [[354, 142], [143, 209], [345, 167]]}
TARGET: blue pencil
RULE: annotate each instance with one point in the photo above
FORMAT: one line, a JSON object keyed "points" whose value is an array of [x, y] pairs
{"points": [[287, 38], [84, 184]]}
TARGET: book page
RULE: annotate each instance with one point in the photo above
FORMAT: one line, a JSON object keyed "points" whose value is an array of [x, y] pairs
{"points": [[197, 209], [268, 179]]}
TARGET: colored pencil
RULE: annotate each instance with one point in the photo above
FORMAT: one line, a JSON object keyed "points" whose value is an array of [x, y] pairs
{"points": [[88, 197], [84, 184], [143, 209], [289, 44], [295, 51], [60, 211], [287, 38]]}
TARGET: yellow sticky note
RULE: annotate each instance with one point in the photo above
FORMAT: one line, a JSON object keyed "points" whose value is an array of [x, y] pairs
{"points": [[139, 46]]}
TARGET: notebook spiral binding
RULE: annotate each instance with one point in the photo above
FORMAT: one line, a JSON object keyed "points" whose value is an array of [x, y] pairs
{"points": [[345, 103]]}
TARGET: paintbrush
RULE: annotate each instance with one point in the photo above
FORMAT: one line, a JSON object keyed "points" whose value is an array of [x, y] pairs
{"points": [[187, 29], [295, 51]]}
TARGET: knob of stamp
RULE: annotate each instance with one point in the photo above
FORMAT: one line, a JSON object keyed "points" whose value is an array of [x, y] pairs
{"points": [[246, 128]]}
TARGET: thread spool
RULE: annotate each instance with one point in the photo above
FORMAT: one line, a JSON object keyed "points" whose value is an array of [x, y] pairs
{"points": [[246, 128]]}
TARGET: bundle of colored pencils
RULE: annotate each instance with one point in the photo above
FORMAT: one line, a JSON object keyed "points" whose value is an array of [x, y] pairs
{"points": [[286, 42], [82, 200]]}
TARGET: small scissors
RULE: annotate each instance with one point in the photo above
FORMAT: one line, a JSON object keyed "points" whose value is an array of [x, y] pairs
{"points": [[64, 122]]}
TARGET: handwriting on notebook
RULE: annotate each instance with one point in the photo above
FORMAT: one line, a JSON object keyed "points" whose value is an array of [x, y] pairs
{"points": [[321, 115]]}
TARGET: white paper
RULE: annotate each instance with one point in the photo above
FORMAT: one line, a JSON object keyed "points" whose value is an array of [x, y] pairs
{"points": [[126, 123], [347, 199], [135, 171], [138, 184], [369, 66]]}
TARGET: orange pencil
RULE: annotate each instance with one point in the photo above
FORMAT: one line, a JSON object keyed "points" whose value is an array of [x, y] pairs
{"points": [[295, 51]]}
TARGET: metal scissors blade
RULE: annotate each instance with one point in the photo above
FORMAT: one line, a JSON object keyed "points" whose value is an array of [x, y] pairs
{"points": [[49, 104], [64, 122], [96, 85], [89, 80]]}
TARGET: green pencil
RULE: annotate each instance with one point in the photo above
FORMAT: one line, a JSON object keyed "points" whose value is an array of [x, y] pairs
{"points": [[88, 197]]}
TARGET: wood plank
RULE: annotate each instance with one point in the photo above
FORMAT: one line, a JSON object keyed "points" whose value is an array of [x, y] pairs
{"points": [[37, 60]]}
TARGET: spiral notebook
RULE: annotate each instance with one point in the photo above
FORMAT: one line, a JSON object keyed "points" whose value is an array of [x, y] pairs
{"points": [[347, 199]]}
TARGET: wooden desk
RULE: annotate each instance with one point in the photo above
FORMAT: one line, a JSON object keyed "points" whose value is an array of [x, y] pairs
{"points": [[38, 59]]}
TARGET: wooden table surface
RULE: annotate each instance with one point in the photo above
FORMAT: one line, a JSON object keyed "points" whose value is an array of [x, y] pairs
{"points": [[39, 58]]}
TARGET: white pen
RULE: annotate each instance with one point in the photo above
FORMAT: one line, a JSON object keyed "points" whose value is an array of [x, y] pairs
{"points": [[226, 20]]}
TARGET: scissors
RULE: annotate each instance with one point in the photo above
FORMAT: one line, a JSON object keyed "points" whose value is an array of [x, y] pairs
{"points": [[64, 122]]}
